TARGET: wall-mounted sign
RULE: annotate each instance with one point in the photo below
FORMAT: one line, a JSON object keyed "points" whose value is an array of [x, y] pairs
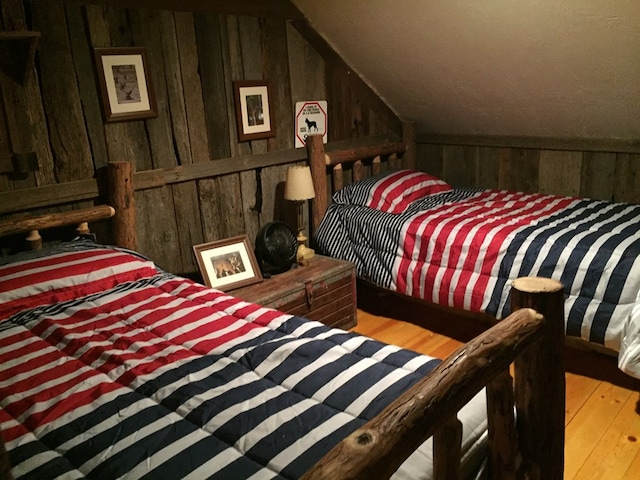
{"points": [[311, 118]]}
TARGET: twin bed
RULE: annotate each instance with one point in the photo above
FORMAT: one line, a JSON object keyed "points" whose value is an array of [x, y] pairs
{"points": [[113, 368], [411, 233]]}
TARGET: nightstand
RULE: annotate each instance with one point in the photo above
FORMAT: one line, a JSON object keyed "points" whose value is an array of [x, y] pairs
{"points": [[324, 290]]}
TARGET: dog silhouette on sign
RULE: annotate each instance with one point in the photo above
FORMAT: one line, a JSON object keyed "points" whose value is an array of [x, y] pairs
{"points": [[311, 124]]}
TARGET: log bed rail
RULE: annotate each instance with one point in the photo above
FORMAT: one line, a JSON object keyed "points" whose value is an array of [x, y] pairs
{"points": [[120, 208], [337, 153], [81, 218], [530, 447]]}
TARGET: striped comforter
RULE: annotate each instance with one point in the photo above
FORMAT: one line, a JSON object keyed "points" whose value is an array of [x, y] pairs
{"points": [[110, 368], [462, 247]]}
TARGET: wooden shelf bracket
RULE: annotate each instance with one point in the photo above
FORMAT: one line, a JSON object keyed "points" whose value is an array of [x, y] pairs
{"points": [[17, 54]]}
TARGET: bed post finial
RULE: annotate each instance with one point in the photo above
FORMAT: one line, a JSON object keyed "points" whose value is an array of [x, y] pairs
{"points": [[34, 240], [120, 188]]}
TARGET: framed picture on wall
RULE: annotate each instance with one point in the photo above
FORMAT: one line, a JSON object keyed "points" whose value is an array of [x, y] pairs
{"points": [[124, 83], [253, 110], [228, 264]]}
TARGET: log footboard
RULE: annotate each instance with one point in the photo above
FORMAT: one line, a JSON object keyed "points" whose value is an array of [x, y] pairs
{"points": [[527, 339]]}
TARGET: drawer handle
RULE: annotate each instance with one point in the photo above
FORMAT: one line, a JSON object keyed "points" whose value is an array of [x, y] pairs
{"points": [[308, 288]]}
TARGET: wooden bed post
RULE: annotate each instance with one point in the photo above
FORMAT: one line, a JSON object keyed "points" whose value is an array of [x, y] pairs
{"points": [[315, 152], [120, 188], [409, 139], [540, 381]]}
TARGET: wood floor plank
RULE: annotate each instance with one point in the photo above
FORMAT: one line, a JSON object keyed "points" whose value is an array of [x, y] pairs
{"points": [[589, 425], [579, 390], [634, 468], [602, 409], [446, 348], [617, 448]]}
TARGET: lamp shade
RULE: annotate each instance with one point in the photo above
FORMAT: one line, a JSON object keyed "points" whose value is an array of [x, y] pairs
{"points": [[299, 185]]}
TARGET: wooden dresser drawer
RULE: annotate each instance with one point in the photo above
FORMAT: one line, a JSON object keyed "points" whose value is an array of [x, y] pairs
{"points": [[324, 291]]}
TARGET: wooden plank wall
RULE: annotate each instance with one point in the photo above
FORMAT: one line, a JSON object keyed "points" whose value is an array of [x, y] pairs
{"points": [[193, 59], [604, 170]]}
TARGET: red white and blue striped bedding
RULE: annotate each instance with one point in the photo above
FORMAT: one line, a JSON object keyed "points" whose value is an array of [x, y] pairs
{"points": [[111, 368], [463, 247]]}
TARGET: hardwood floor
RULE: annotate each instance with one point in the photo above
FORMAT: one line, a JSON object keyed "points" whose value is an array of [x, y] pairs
{"points": [[602, 426]]}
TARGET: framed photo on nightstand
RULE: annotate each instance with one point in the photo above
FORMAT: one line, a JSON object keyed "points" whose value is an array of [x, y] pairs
{"points": [[228, 264]]}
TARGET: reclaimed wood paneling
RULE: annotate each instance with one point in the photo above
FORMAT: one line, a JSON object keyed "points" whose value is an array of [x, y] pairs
{"points": [[235, 72], [537, 143], [188, 223], [213, 84], [221, 213], [192, 87], [13, 16], [252, 194], [306, 69], [250, 48], [26, 121], [489, 166], [594, 172], [251, 56], [59, 88], [146, 30], [598, 171], [347, 92], [157, 228], [175, 88], [85, 73], [274, 50], [93, 188], [429, 158], [627, 178], [187, 201], [559, 172], [6, 152], [278, 8], [308, 82], [342, 124], [18, 127], [454, 158], [244, 53], [235, 59], [520, 170], [271, 194]]}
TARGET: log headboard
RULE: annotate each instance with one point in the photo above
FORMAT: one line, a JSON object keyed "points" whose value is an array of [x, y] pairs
{"points": [[32, 226], [120, 208], [357, 156]]}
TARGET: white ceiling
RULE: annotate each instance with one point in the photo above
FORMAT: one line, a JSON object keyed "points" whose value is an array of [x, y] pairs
{"points": [[550, 68]]}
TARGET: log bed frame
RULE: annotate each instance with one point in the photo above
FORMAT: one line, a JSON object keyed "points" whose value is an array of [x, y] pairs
{"points": [[525, 411]]}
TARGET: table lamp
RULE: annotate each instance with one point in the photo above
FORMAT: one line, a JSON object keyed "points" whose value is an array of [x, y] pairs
{"points": [[299, 188]]}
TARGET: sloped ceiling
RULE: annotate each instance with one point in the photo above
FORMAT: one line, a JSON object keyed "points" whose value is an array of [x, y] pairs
{"points": [[541, 68]]}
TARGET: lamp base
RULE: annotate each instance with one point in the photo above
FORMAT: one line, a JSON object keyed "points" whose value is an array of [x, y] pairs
{"points": [[304, 253]]}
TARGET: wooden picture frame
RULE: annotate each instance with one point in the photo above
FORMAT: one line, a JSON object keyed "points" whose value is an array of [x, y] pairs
{"points": [[253, 110], [228, 264], [125, 86]]}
